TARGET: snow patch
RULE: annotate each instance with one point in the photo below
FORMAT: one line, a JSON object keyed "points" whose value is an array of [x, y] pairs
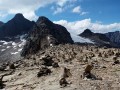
{"points": [[13, 53], [23, 41], [51, 45], [5, 43], [14, 44], [48, 38], [3, 50], [2, 41], [20, 45], [8, 46], [19, 50], [14, 47]]}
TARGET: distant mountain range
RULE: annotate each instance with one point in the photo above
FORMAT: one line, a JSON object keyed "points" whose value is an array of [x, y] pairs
{"points": [[110, 39], [20, 36]]}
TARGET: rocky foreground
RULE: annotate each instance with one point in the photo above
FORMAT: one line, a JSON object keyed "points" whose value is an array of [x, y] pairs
{"points": [[64, 67]]}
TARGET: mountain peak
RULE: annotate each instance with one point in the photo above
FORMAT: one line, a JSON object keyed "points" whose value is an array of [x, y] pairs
{"points": [[16, 26], [44, 20], [86, 33], [19, 16]]}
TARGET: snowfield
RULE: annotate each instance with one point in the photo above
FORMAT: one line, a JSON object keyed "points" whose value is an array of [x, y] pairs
{"points": [[80, 39], [10, 50]]}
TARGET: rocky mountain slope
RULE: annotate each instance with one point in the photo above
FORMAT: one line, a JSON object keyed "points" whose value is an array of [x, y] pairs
{"points": [[16, 26], [10, 50], [12, 38], [45, 34], [65, 67], [114, 37]]}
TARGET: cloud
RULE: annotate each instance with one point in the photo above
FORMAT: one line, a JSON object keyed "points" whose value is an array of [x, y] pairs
{"points": [[79, 10], [62, 5], [58, 10], [28, 7], [83, 13], [3, 14], [62, 2], [78, 27]]}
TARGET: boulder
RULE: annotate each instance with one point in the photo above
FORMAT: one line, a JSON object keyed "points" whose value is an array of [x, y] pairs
{"points": [[47, 61], [87, 71], [63, 82], [43, 72]]}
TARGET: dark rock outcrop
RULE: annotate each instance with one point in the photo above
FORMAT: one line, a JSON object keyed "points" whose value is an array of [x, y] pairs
{"points": [[87, 72], [47, 61], [63, 82], [16, 26], [43, 72], [87, 33], [44, 34]]}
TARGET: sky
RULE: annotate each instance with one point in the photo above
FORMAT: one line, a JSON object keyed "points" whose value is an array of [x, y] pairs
{"points": [[76, 15]]}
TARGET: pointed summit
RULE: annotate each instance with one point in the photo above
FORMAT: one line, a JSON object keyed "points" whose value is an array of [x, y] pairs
{"points": [[44, 20], [86, 33], [18, 16]]}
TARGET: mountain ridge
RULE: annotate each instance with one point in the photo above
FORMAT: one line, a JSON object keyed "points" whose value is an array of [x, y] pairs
{"points": [[44, 34]]}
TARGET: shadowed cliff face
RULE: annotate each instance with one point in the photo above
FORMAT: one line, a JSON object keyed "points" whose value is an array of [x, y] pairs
{"points": [[16, 26], [44, 34], [1, 23], [12, 38], [114, 36]]}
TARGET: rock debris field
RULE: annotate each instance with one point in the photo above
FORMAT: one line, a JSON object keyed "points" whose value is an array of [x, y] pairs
{"points": [[64, 67]]}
